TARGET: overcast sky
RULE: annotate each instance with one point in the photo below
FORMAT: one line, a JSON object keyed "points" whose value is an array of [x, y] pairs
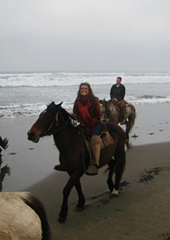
{"points": [[85, 35]]}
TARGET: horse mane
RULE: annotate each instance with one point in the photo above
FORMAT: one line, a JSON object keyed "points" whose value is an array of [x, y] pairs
{"points": [[107, 109], [107, 105], [65, 114]]}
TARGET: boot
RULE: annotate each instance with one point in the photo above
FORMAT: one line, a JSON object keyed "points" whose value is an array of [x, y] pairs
{"points": [[94, 162], [123, 116], [59, 167]]}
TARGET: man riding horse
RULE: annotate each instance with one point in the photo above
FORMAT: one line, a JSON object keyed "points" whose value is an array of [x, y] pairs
{"points": [[117, 94]]}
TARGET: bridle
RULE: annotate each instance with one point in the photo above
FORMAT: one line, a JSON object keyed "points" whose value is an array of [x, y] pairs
{"points": [[57, 122], [49, 128]]}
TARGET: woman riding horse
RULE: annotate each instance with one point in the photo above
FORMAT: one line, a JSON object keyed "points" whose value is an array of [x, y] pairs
{"points": [[73, 153], [87, 111]]}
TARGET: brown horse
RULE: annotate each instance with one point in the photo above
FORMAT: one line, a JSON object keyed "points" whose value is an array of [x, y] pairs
{"points": [[22, 216], [74, 156], [111, 113]]}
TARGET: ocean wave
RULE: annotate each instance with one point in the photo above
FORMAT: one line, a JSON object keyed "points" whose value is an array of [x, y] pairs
{"points": [[19, 110], [68, 79], [148, 99], [26, 110], [26, 94], [151, 97]]}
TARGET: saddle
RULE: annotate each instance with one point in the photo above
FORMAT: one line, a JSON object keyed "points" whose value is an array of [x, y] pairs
{"points": [[104, 139], [121, 108]]}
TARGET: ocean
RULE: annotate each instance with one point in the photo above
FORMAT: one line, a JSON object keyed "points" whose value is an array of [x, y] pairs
{"points": [[27, 94]]}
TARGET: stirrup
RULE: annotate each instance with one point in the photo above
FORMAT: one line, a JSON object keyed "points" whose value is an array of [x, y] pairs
{"points": [[59, 167]]}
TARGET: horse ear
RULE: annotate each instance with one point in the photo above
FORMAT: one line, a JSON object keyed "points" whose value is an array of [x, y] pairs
{"points": [[60, 104], [51, 105]]}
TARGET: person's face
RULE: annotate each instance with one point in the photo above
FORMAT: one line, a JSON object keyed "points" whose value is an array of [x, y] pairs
{"points": [[118, 81], [84, 90]]}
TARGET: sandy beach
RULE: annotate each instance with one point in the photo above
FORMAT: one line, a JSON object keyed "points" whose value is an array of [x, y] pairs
{"points": [[142, 209]]}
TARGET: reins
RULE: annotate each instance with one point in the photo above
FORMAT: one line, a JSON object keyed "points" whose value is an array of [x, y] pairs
{"points": [[62, 126], [49, 127], [56, 120]]}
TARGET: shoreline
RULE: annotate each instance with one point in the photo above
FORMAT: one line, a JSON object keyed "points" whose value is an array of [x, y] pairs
{"points": [[140, 211]]}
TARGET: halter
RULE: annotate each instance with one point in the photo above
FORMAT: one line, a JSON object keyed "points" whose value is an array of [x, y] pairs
{"points": [[57, 123], [49, 128]]}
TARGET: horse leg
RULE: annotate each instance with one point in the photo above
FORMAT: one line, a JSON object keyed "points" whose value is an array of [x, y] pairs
{"points": [[66, 192], [111, 165], [120, 159], [127, 130], [81, 201], [127, 134]]}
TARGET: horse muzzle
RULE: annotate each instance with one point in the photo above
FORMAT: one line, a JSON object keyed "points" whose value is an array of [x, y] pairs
{"points": [[33, 137]]}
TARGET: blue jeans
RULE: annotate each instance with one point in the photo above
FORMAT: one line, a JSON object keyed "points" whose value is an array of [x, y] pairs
{"points": [[97, 129]]}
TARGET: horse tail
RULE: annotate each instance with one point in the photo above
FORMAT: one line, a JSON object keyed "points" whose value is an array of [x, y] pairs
{"points": [[131, 118], [37, 206]]}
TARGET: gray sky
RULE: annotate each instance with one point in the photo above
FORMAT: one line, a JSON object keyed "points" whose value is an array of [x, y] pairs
{"points": [[85, 35]]}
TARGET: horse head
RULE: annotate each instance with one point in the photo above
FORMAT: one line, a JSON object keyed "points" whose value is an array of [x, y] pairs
{"points": [[105, 110], [46, 123]]}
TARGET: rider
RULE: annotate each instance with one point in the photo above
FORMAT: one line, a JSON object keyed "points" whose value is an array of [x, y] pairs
{"points": [[117, 94], [87, 111]]}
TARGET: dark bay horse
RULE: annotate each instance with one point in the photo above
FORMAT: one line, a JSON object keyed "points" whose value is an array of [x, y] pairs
{"points": [[74, 156], [111, 113]]}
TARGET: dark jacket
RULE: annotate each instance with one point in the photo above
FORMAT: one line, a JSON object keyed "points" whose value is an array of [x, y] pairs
{"points": [[117, 92]]}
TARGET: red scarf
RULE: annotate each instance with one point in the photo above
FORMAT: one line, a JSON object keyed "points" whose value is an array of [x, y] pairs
{"points": [[84, 104]]}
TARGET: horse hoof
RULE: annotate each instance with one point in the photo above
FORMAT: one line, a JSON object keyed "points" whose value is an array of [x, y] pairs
{"points": [[62, 219], [113, 196], [79, 208]]}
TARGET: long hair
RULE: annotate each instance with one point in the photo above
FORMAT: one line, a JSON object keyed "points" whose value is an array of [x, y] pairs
{"points": [[91, 94]]}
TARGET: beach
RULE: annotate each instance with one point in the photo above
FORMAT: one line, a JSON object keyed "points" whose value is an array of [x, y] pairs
{"points": [[142, 209]]}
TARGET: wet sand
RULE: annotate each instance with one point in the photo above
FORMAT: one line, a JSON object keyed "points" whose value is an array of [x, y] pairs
{"points": [[140, 212], [142, 209]]}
